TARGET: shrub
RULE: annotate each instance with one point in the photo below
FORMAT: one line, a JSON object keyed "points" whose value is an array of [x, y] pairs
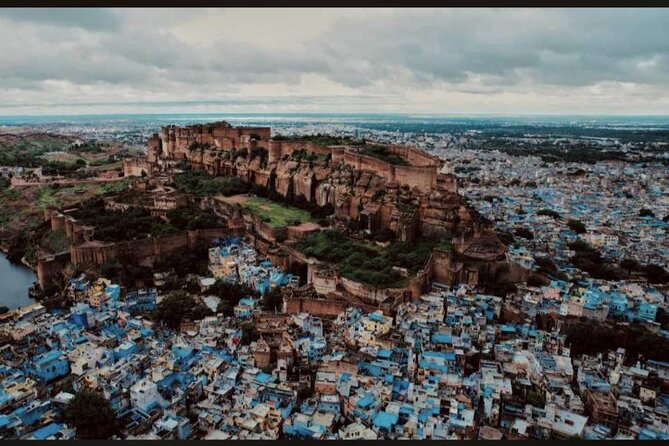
{"points": [[549, 213], [91, 415], [577, 226], [249, 333], [536, 280], [382, 153], [646, 213], [525, 233]]}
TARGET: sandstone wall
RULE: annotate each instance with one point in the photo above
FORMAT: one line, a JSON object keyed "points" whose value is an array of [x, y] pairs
{"points": [[441, 266], [416, 157], [144, 251], [50, 267], [134, 167], [327, 307]]}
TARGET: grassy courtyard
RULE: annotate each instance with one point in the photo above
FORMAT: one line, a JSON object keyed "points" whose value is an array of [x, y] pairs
{"points": [[368, 263], [276, 214]]}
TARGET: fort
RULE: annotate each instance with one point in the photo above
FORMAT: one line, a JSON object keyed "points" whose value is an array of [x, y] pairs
{"points": [[377, 189], [417, 197]]}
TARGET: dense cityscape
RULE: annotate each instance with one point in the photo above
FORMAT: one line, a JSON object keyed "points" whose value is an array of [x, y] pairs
{"points": [[191, 284]]}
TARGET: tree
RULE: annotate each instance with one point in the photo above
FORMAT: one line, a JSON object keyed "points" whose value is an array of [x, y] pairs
{"points": [[272, 300], [524, 233], [249, 333], [200, 312], [656, 274], [172, 309], [646, 213], [91, 415], [546, 265], [231, 294], [537, 280], [662, 318], [505, 237], [549, 213], [536, 398], [577, 226], [630, 265]]}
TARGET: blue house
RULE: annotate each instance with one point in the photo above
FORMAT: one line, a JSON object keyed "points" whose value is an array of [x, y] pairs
{"points": [[50, 365], [618, 304], [52, 431], [646, 312], [124, 350], [385, 421], [141, 301], [113, 291]]}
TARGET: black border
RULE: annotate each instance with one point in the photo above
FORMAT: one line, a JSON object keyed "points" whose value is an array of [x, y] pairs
{"points": [[328, 4]]}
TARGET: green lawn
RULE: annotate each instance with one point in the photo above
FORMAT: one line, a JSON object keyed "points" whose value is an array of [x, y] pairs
{"points": [[46, 196], [277, 214], [117, 186]]}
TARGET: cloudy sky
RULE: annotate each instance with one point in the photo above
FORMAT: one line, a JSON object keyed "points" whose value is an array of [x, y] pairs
{"points": [[502, 61]]}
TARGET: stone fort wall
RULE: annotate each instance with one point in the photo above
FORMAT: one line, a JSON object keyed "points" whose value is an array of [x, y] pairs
{"points": [[85, 250]]}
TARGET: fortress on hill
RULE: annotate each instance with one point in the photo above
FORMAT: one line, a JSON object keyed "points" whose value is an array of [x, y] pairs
{"points": [[377, 187], [370, 187], [400, 189]]}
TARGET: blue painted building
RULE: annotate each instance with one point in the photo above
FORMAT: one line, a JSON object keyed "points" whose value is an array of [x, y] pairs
{"points": [[50, 365]]}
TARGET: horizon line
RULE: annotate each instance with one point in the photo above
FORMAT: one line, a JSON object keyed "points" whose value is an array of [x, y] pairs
{"points": [[321, 113]]}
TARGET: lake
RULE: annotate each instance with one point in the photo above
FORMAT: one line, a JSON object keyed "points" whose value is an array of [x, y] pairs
{"points": [[15, 279]]}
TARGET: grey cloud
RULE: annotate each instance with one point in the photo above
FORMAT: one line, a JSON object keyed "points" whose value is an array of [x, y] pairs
{"points": [[585, 46], [85, 18], [470, 51]]}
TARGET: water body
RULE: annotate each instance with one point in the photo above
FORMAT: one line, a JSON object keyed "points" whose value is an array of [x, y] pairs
{"points": [[15, 279]]}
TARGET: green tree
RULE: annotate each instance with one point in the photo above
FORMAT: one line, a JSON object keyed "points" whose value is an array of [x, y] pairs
{"points": [[629, 265], [272, 300], [249, 333], [536, 398], [577, 226], [200, 312], [91, 415], [231, 294], [525, 233], [646, 213], [656, 274], [549, 213], [172, 309], [537, 280]]}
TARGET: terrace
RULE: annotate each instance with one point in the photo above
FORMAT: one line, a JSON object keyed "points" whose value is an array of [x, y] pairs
{"points": [[277, 215]]}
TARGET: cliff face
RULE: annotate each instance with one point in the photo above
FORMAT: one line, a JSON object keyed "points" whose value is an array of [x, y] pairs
{"points": [[414, 197]]}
